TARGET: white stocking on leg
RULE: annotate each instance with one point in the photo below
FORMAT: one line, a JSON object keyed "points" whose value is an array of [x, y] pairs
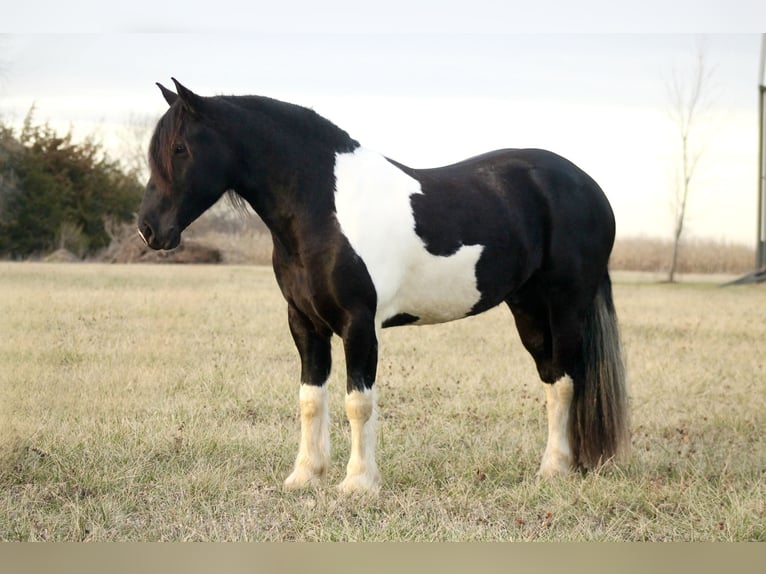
{"points": [[557, 458], [314, 450], [362, 474]]}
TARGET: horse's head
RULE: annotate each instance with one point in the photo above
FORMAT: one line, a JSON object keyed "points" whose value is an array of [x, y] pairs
{"points": [[191, 166]]}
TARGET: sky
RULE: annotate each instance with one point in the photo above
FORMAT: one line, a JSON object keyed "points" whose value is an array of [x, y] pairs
{"points": [[429, 90]]}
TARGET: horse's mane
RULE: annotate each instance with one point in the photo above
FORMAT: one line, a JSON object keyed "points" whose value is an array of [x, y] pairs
{"points": [[298, 120], [272, 118]]}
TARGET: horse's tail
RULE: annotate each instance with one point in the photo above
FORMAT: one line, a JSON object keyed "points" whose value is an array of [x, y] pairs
{"points": [[599, 429]]}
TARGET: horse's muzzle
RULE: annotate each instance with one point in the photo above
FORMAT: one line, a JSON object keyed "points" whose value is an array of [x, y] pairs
{"points": [[170, 240]]}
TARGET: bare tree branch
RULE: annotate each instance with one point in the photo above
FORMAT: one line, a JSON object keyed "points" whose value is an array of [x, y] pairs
{"points": [[689, 109]]}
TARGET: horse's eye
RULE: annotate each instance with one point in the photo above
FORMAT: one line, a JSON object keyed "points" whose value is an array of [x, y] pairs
{"points": [[179, 149]]}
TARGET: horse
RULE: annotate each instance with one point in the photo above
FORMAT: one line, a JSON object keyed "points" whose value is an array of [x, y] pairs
{"points": [[362, 242]]}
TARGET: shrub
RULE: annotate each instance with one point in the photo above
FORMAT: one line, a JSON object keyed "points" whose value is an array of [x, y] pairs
{"points": [[58, 193]]}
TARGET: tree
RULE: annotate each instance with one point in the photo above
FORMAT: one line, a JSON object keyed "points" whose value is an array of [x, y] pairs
{"points": [[690, 108], [54, 191]]}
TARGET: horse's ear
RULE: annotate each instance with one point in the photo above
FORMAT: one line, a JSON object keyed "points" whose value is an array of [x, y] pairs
{"points": [[170, 97], [191, 101]]}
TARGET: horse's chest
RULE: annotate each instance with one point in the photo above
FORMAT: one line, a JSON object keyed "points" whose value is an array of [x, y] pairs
{"points": [[374, 210]]}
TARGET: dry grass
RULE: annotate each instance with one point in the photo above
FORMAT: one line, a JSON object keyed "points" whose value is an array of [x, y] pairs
{"points": [[160, 403], [695, 256]]}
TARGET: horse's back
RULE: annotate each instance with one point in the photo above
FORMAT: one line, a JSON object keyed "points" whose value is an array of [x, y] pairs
{"points": [[517, 174]]}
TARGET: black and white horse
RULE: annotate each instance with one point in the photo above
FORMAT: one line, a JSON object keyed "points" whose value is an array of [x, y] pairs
{"points": [[362, 242]]}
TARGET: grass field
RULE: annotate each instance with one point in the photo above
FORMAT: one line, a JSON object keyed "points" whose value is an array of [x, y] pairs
{"points": [[160, 403]]}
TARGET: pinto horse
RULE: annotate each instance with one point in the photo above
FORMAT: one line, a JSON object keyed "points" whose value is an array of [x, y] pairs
{"points": [[362, 242]]}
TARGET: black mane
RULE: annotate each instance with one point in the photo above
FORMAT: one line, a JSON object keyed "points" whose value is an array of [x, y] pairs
{"points": [[276, 120], [298, 120]]}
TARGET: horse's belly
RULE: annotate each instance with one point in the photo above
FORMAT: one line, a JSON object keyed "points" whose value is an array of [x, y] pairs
{"points": [[432, 289]]}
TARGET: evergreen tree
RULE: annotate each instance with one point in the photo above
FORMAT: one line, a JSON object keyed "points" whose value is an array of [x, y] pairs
{"points": [[58, 193]]}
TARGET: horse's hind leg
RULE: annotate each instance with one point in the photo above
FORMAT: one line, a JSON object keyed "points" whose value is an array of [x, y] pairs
{"points": [[314, 451], [532, 318], [557, 457], [566, 324]]}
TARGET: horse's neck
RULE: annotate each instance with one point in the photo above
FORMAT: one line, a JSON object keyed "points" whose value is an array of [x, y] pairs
{"points": [[287, 177], [294, 199]]}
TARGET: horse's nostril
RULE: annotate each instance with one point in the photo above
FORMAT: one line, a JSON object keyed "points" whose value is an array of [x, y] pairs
{"points": [[146, 232]]}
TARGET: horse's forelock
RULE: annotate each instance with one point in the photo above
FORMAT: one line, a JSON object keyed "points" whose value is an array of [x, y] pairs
{"points": [[161, 145]]}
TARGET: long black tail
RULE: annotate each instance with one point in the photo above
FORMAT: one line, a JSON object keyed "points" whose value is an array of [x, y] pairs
{"points": [[599, 425]]}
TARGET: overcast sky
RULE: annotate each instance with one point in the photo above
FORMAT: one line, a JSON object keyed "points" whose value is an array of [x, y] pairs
{"points": [[427, 92]]}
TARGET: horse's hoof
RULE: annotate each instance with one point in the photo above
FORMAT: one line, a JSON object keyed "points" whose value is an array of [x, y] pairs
{"points": [[302, 478], [555, 465], [360, 485]]}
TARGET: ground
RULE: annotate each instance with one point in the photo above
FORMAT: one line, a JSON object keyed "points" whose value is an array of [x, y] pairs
{"points": [[161, 403]]}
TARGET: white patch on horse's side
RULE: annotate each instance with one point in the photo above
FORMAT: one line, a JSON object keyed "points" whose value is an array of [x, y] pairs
{"points": [[372, 202], [362, 475], [314, 451], [557, 458]]}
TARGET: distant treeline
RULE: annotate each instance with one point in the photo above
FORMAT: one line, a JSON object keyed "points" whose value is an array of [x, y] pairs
{"points": [[55, 193]]}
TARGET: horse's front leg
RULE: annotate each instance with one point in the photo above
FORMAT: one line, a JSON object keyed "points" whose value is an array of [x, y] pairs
{"points": [[361, 350], [314, 451]]}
